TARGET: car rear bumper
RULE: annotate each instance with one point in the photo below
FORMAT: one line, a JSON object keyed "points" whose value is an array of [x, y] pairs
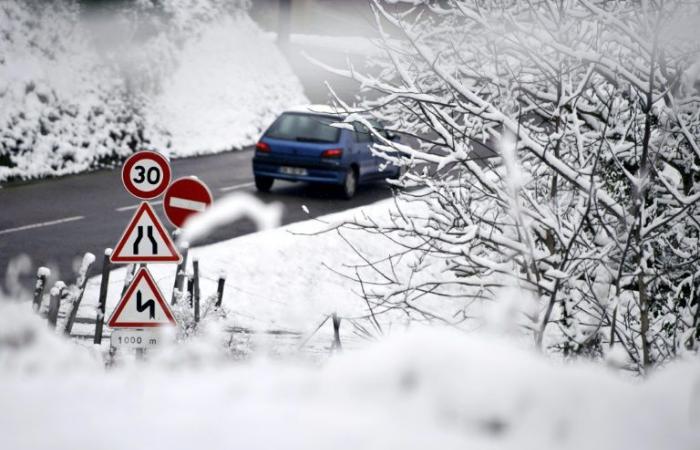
{"points": [[316, 172]]}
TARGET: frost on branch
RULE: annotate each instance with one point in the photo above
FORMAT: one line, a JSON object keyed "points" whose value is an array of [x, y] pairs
{"points": [[592, 200]]}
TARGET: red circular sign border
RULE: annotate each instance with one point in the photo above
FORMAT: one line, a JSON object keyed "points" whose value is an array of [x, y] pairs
{"points": [[188, 178], [160, 160]]}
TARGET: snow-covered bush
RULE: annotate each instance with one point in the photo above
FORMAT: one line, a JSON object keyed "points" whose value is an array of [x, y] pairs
{"points": [[82, 89], [62, 109], [424, 389], [28, 346], [591, 202]]}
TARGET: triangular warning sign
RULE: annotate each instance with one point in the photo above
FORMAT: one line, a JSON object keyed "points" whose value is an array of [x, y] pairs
{"points": [[145, 240], [142, 306]]}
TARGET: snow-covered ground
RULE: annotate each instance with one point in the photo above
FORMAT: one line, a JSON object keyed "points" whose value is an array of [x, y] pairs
{"points": [[288, 278], [429, 388], [287, 286]]}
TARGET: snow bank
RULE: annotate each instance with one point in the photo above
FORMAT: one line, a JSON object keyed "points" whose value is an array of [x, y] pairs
{"points": [[276, 279], [27, 346], [432, 388], [80, 92], [231, 84], [287, 278]]}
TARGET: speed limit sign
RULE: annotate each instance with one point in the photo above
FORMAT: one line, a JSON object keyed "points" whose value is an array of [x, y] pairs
{"points": [[146, 174]]}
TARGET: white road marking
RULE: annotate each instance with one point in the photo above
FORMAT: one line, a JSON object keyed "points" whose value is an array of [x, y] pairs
{"points": [[236, 186], [127, 208], [184, 203], [41, 224]]}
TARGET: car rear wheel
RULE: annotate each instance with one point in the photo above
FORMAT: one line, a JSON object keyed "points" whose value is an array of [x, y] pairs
{"points": [[264, 184], [350, 184]]}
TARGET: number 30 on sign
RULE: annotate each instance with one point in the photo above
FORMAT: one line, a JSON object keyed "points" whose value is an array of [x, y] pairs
{"points": [[146, 174]]}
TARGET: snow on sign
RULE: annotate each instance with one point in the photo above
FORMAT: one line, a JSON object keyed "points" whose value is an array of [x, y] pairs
{"points": [[145, 240], [142, 305], [146, 174], [184, 198]]}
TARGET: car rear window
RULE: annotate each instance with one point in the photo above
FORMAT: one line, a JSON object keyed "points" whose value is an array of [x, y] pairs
{"points": [[305, 128]]}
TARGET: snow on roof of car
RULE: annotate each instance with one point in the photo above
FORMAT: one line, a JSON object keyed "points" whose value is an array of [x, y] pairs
{"points": [[320, 109]]}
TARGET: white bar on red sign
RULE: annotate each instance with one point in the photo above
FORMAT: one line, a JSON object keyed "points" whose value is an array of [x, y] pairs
{"points": [[184, 203]]}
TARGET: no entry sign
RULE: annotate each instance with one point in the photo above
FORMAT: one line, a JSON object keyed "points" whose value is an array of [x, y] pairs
{"points": [[184, 198], [146, 174]]}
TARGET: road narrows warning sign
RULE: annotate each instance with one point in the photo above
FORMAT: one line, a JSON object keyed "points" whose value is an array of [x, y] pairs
{"points": [[145, 240], [146, 174], [142, 305]]}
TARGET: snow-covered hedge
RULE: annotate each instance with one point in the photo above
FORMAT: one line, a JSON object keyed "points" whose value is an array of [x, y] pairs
{"points": [[433, 388], [82, 90]]}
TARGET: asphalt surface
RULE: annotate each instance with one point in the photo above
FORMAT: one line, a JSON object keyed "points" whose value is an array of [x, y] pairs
{"points": [[55, 222]]}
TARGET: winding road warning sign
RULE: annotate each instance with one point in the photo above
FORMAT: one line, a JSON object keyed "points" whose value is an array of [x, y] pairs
{"points": [[184, 198], [145, 240], [146, 174], [142, 305]]}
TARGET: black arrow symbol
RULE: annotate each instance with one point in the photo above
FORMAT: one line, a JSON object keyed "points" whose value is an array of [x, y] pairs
{"points": [[150, 304]]}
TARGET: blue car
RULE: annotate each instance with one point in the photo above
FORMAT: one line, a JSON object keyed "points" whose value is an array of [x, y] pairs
{"points": [[301, 145]]}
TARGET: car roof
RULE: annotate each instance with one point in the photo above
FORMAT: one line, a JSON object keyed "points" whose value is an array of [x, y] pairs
{"points": [[322, 110]]}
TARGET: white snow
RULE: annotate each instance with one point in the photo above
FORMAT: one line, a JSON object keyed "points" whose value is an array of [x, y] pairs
{"points": [[227, 210], [430, 388], [231, 84]]}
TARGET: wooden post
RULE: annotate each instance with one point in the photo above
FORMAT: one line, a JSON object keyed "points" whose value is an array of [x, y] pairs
{"points": [[336, 332], [179, 284], [41, 275], [102, 302], [88, 259], [130, 271], [190, 288], [55, 303], [195, 289], [220, 290]]}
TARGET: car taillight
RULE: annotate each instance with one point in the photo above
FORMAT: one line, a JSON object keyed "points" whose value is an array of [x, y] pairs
{"points": [[332, 153], [262, 147]]}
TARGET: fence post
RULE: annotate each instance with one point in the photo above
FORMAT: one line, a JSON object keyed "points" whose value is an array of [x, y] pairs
{"points": [[195, 288], [130, 271], [336, 332], [220, 290], [41, 275], [190, 288], [88, 259], [55, 303], [102, 303], [179, 284]]}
